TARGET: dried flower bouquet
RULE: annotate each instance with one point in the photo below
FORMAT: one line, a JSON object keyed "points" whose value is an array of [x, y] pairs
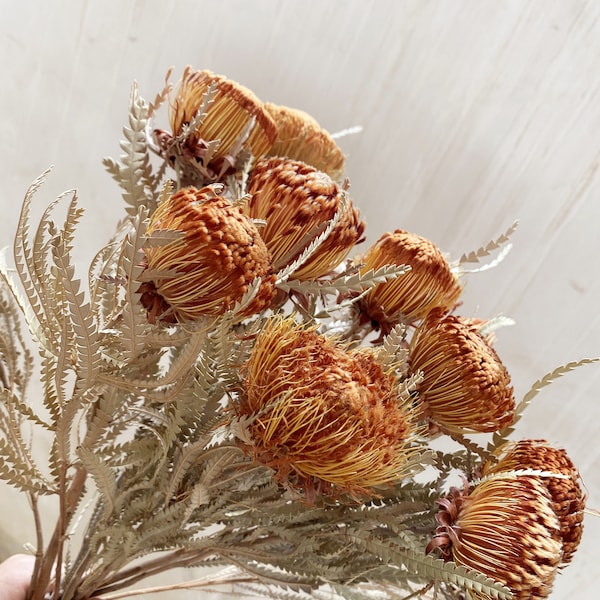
{"points": [[230, 388]]}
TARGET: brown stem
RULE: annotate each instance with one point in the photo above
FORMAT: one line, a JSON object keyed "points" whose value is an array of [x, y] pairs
{"points": [[178, 558], [45, 563]]}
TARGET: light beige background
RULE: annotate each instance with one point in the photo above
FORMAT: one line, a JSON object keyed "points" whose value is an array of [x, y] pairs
{"points": [[475, 113]]}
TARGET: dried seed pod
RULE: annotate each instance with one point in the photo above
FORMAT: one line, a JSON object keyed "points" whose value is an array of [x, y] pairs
{"points": [[210, 266], [297, 202]]}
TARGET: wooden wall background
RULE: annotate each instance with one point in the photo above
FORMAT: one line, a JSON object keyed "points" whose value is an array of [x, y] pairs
{"points": [[475, 113]]}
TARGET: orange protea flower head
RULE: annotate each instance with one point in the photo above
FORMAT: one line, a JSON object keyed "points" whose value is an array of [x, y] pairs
{"points": [[568, 498], [208, 267], [324, 418], [297, 202], [234, 109], [505, 528], [429, 284], [300, 137], [466, 388]]}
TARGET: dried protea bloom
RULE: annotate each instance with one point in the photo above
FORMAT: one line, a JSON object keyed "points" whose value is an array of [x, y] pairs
{"points": [[210, 266], [233, 110], [300, 137], [297, 202], [466, 388], [505, 528], [325, 419], [568, 498], [429, 284]]}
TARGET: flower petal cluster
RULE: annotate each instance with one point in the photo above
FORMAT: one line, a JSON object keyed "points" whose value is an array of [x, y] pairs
{"points": [[297, 202], [210, 265], [326, 419], [301, 138], [507, 529], [466, 388], [429, 284], [566, 493]]}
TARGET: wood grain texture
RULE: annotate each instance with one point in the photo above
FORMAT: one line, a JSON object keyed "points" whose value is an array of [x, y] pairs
{"points": [[475, 113]]}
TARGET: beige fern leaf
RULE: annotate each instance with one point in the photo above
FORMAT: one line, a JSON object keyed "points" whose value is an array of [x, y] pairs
{"points": [[483, 251]]}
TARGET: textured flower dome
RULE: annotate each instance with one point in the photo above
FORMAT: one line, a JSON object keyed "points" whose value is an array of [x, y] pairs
{"points": [[301, 138], [429, 284], [325, 419], [568, 497], [212, 257], [505, 528], [466, 388], [297, 203]]}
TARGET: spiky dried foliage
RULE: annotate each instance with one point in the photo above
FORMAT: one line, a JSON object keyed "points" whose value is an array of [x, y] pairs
{"points": [[429, 284], [186, 441], [568, 497], [297, 202], [300, 137], [465, 387], [505, 528]]}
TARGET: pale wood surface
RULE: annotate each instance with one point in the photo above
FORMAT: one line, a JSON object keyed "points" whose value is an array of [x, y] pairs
{"points": [[475, 113]]}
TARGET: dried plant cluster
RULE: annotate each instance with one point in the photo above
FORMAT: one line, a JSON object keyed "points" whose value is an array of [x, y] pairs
{"points": [[234, 386]]}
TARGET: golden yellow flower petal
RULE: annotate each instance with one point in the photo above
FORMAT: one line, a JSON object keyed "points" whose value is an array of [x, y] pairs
{"points": [[297, 202], [232, 109], [568, 497], [429, 284], [466, 388], [211, 266], [505, 528], [325, 419], [301, 138]]}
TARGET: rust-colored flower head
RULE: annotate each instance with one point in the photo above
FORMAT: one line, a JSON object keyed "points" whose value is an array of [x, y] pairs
{"points": [[210, 266], [568, 497], [429, 284], [233, 109], [300, 137], [505, 528], [326, 419], [466, 388], [297, 202]]}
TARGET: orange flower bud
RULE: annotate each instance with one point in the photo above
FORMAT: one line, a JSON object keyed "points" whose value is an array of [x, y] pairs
{"points": [[301, 138], [210, 267], [466, 388], [297, 202], [325, 419], [505, 528], [228, 116], [568, 498], [429, 284]]}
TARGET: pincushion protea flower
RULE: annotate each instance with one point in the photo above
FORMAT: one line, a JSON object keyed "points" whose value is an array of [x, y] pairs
{"points": [[505, 528], [568, 498], [234, 109], [210, 267], [297, 202], [466, 388], [300, 137], [326, 419], [429, 284]]}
